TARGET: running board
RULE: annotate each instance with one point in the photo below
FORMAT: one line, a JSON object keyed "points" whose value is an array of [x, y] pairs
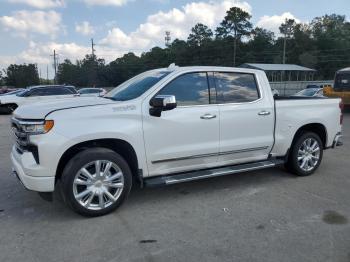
{"points": [[206, 173]]}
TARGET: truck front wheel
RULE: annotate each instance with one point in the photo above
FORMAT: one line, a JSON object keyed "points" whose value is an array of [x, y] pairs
{"points": [[305, 155], [96, 181]]}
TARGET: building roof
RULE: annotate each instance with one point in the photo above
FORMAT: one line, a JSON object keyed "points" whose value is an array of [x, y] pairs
{"points": [[277, 67]]}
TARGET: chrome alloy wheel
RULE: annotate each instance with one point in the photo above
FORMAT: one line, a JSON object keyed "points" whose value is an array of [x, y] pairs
{"points": [[98, 184], [309, 154]]}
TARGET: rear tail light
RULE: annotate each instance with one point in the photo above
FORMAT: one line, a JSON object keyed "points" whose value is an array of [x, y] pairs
{"points": [[341, 106]]}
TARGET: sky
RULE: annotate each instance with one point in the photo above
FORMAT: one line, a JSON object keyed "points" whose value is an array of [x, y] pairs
{"points": [[31, 29]]}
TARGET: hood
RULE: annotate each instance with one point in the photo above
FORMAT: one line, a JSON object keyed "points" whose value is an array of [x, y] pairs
{"points": [[41, 109]]}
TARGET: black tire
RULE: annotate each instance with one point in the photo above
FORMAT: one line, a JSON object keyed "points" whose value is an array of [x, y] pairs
{"points": [[8, 109], [84, 158], [293, 165]]}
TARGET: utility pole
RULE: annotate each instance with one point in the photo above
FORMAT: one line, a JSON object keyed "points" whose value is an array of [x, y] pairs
{"points": [[284, 49], [94, 68], [234, 50], [92, 47], [54, 64], [167, 38], [287, 29], [47, 74]]}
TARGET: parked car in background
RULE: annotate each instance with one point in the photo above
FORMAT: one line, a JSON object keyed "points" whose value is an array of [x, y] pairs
{"points": [[92, 92], [35, 94], [310, 92], [13, 92], [312, 86], [7, 90], [168, 126]]}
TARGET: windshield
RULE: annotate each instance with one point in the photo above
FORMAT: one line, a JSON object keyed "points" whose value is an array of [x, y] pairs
{"points": [[22, 92], [308, 92], [342, 81], [136, 86]]}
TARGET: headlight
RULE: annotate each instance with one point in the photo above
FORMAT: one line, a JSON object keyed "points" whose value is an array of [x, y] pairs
{"points": [[34, 128]]}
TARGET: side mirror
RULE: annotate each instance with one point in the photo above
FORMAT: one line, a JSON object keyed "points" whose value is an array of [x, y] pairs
{"points": [[162, 103]]}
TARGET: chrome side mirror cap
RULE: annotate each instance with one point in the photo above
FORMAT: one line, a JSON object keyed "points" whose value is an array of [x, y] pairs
{"points": [[161, 103]]}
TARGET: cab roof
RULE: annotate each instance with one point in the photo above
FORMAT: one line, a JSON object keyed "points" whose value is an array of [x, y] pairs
{"points": [[174, 68], [46, 86]]}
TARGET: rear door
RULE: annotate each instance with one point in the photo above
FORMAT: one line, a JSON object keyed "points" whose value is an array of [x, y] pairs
{"points": [[61, 92], [246, 118]]}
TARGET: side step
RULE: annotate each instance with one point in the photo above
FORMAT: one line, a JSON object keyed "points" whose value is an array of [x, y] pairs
{"points": [[206, 173]]}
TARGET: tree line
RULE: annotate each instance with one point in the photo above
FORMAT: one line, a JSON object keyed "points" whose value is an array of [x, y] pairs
{"points": [[322, 44]]}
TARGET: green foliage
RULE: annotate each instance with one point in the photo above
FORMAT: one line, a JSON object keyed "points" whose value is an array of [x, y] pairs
{"points": [[331, 34], [2, 80], [287, 28], [323, 44], [21, 76], [236, 23], [200, 34]]}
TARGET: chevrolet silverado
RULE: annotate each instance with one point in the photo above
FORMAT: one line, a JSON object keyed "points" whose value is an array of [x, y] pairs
{"points": [[168, 126]]}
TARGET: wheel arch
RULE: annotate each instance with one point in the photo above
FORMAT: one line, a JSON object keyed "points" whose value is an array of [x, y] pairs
{"points": [[317, 128], [119, 146], [7, 105]]}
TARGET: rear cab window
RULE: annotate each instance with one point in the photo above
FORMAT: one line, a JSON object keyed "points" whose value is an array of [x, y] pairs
{"points": [[56, 91], [235, 87]]}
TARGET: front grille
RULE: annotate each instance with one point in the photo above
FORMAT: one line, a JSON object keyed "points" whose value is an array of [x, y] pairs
{"points": [[22, 143], [21, 138]]}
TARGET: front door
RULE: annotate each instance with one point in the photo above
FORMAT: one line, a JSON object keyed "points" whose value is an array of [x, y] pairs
{"points": [[187, 137]]}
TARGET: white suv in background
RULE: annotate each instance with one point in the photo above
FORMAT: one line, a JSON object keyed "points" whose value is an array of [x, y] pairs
{"points": [[36, 94]]}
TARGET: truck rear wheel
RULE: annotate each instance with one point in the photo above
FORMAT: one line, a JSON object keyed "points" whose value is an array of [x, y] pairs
{"points": [[96, 181], [305, 155]]}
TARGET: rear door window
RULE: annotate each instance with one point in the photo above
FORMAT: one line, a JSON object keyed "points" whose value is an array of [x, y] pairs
{"points": [[235, 87], [62, 91]]}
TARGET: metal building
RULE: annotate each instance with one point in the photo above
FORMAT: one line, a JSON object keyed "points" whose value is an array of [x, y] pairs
{"points": [[283, 72]]}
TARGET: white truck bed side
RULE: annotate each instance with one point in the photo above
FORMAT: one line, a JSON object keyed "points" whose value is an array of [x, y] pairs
{"points": [[295, 113]]}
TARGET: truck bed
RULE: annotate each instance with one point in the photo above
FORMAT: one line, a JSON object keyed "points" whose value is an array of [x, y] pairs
{"points": [[293, 112]]}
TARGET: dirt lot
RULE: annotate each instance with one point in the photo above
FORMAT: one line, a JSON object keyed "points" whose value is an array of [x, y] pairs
{"points": [[266, 215]]}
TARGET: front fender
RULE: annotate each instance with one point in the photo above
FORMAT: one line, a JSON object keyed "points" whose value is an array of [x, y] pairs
{"points": [[93, 123]]}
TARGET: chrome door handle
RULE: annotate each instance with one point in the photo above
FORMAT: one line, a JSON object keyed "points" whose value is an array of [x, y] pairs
{"points": [[264, 113], [208, 116]]}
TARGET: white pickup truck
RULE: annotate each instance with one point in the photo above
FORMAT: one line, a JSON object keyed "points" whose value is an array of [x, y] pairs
{"points": [[168, 126]]}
